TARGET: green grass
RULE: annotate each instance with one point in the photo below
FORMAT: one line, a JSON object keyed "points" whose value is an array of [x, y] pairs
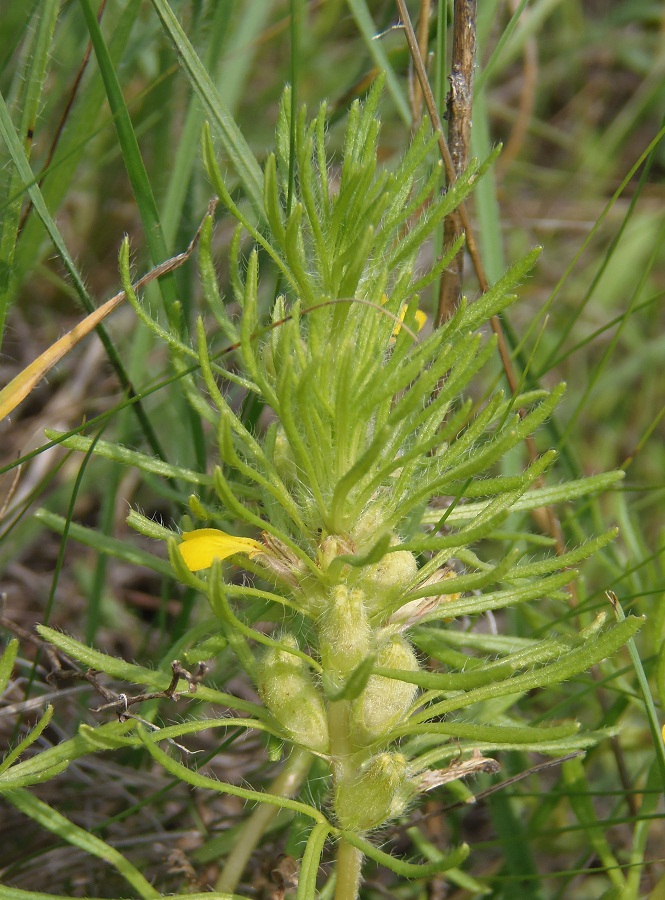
{"points": [[120, 152]]}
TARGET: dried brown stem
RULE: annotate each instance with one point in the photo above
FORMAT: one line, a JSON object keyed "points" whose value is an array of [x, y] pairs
{"points": [[449, 166], [121, 702], [459, 103], [64, 669], [20, 386], [495, 788], [416, 91], [546, 517]]}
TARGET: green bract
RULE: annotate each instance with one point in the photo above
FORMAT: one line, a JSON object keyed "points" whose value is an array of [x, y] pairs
{"points": [[371, 479], [371, 426]]}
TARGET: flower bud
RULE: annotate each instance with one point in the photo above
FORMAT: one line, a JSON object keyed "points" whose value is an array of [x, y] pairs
{"points": [[287, 688], [281, 561], [373, 795], [412, 612], [384, 581], [344, 632], [268, 357], [283, 458], [385, 701], [331, 547]]}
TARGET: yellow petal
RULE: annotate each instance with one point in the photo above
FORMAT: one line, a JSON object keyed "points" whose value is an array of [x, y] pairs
{"points": [[398, 325], [421, 318], [202, 547]]}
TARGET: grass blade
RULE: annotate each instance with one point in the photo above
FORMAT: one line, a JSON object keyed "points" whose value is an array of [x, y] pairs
{"points": [[235, 145], [65, 829]]}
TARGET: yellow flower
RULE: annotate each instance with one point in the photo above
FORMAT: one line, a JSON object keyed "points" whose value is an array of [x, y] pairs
{"points": [[421, 318], [202, 547]]}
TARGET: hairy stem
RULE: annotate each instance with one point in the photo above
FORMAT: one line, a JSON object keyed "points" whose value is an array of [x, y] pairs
{"points": [[349, 860], [287, 784], [340, 738], [349, 865]]}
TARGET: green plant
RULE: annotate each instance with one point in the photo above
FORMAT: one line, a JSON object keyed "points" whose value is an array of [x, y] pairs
{"points": [[92, 151], [344, 424]]}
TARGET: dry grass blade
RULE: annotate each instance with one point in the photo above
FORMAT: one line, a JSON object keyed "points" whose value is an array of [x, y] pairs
{"points": [[20, 386]]}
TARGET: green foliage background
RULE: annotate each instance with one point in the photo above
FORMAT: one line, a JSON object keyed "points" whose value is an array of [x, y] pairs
{"points": [[583, 179]]}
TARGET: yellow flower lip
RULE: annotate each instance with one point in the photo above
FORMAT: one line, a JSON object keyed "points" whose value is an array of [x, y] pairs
{"points": [[421, 318], [200, 548]]}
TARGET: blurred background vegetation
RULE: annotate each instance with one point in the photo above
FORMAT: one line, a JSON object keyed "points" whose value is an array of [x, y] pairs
{"points": [[575, 90]]}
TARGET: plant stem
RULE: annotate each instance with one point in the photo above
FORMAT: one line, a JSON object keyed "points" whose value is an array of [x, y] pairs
{"points": [[339, 729], [349, 860], [459, 104], [349, 865], [286, 784]]}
